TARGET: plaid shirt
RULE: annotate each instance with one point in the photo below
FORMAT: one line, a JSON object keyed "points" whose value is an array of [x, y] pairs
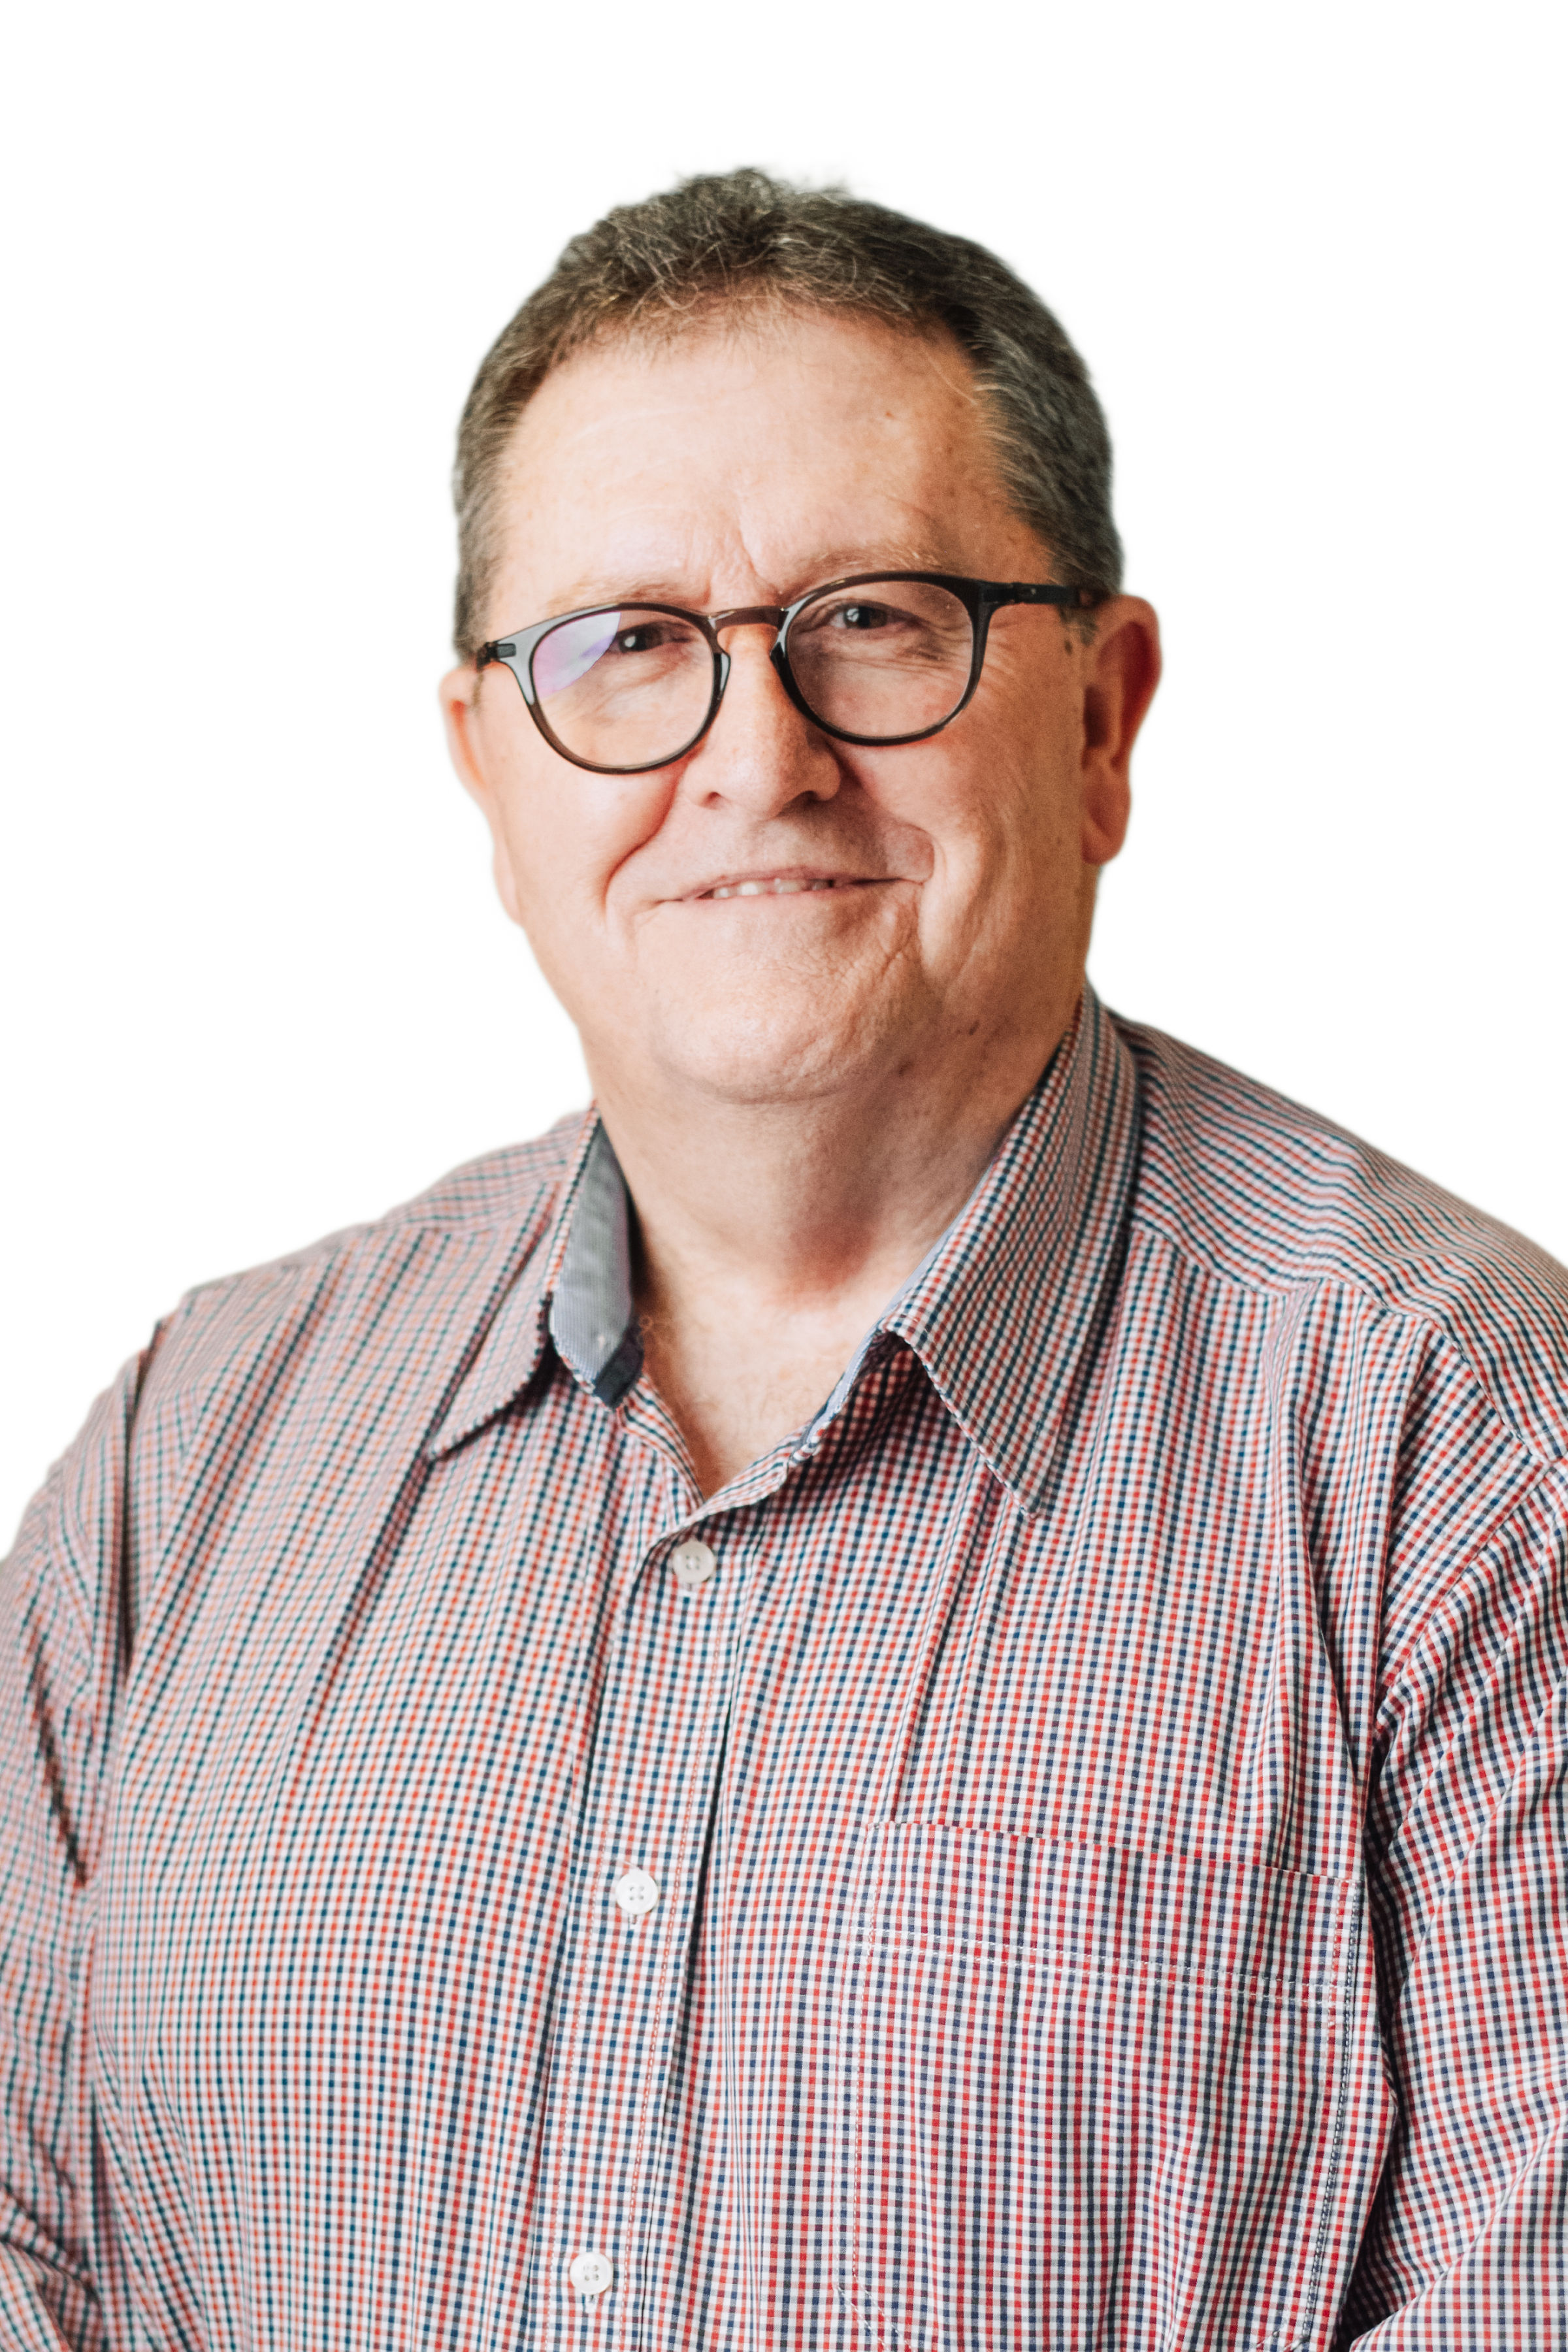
{"points": [[1066, 1850]]}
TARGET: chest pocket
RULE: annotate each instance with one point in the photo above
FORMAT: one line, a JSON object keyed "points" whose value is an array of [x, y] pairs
{"points": [[1090, 2095]]}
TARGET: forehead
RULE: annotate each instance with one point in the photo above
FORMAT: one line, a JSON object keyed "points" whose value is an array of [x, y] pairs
{"points": [[744, 453]]}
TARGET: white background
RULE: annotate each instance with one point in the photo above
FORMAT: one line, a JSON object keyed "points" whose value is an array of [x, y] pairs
{"points": [[255, 985]]}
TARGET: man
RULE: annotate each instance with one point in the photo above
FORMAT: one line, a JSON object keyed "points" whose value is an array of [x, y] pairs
{"points": [[906, 1687]]}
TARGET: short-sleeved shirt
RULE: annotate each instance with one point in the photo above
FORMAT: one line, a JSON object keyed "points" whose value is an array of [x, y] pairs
{"points": [[1067, 1849]]}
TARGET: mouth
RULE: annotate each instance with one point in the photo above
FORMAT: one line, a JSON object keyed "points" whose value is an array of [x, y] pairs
{"points": [[780, 885]]}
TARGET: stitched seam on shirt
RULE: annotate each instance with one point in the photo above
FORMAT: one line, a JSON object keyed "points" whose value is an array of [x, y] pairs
{"points": [[850, 2304], [1324, 1283], [537, 1166], [1389, 1717], [1206, 1857], [65, 1498], [1044, 1960], [875, 1868], [1390, 1708], [1335, 2144]]}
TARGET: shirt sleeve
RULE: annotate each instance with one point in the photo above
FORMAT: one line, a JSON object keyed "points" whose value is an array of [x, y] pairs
{"points": [[61, 1605], [1469, 1864]]}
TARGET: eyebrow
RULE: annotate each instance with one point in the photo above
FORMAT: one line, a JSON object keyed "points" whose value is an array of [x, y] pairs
{"points": [[831, 563]]}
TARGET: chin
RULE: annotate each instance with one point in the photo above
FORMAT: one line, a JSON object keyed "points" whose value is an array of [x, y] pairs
{"points": [[765, 1059]]}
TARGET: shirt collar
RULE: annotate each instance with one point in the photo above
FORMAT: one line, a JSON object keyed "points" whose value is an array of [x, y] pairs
{"points": [[1002, 1313], [589, 1284], [514, 1346], [1005, 1312]]}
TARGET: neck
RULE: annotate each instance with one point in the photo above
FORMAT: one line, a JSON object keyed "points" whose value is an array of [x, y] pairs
{"points": [[769, 1235]]}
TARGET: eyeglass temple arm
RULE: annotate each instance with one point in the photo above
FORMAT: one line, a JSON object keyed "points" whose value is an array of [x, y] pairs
{"points": [[1039, 592]]}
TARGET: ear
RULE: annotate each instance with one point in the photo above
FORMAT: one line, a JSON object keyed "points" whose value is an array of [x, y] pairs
{"points": [[474, 760], [1122, 670]]}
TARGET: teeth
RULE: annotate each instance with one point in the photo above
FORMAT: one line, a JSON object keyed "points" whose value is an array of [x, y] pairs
{"points": [[781, 887]]}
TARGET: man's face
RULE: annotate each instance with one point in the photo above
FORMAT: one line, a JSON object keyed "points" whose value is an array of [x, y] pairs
{"points": [[744, 465]]}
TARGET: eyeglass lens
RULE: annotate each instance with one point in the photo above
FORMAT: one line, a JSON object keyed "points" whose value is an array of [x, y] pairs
{"points": [[624, 689], [632, 687]]}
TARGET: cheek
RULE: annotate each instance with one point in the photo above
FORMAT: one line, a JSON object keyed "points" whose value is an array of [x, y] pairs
{"points": [[1002, 812], [1008, 862], [568, 836]]}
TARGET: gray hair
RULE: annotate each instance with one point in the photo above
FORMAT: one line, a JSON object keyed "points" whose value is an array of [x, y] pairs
{"points": [[739, 237]]}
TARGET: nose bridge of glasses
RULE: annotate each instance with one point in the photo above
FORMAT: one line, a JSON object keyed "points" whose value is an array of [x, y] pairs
{"points": [[769, 616]]}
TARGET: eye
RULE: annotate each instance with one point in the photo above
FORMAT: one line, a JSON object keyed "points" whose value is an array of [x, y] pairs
{"points": [[849, 616]]}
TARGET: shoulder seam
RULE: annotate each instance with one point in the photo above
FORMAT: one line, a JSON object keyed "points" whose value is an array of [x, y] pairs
{"points": [[347, 1238], [1326, 1283], [1552, 1473]]}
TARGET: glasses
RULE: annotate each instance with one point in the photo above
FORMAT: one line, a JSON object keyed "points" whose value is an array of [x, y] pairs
{"points": [[883, 657]]}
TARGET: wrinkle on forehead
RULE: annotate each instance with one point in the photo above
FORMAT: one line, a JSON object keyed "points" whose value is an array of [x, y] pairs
{"points": [[701, 498], [660, 582]]}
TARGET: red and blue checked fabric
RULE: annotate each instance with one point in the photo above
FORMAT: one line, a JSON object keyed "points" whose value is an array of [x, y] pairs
{"points": [[1090, 1821]]}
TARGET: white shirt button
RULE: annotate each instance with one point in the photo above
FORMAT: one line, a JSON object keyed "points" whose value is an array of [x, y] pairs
{"points": [[591, 2272], [693, 1564], [637, 1893]]}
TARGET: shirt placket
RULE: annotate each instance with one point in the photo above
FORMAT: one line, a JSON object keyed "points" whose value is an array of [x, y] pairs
{"points": [[638, 1883]]}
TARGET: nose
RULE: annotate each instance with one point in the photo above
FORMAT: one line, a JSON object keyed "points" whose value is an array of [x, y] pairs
{"points": [[760, 753]]}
